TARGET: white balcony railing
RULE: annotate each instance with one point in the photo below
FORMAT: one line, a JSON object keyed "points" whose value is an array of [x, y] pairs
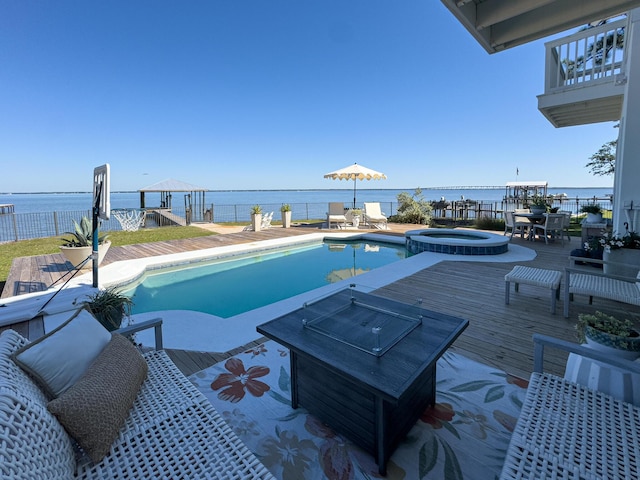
{"points": [[595, 55]]}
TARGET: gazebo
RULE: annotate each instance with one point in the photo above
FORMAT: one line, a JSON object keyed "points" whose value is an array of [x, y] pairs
{"points": [[194, 196]]}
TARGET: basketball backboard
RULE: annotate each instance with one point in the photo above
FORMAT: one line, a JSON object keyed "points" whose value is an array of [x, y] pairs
{"points": [[102, 191]]}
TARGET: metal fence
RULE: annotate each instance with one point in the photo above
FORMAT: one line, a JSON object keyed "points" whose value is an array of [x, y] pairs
{"points": [[22, 226]]}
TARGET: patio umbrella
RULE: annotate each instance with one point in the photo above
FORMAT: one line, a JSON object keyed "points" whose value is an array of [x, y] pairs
{"points": [[355, 172]]}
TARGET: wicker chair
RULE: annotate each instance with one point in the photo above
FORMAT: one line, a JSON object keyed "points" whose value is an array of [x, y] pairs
{"points": [[566, 430], [172, 431]]}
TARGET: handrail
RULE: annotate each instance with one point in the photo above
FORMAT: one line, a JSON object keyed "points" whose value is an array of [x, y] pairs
{"points": [[540, 341], [590, 31], [155, 323], [567, 62]]}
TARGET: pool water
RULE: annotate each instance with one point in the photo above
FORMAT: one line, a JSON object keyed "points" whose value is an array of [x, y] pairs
{"points": [[229, 287]]}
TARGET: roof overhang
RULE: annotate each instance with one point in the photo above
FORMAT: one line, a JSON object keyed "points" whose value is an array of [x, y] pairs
{"points": [[501, 24]]}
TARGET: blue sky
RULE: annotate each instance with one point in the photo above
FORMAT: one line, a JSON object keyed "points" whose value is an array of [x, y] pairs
{"points": [[254, 94]]}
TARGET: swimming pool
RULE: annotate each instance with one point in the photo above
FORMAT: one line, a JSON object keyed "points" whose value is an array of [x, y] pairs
{"points": [[228, 287]]}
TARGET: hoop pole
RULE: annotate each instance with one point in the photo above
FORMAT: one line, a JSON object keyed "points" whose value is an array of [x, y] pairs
{"points": [[96, 213]]}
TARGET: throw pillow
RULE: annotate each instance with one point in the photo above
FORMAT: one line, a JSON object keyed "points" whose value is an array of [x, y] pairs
{"points": [[58, 359], [94, 409]]}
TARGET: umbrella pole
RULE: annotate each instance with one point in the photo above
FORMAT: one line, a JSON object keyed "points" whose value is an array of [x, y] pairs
{"points": [[354, 193]]}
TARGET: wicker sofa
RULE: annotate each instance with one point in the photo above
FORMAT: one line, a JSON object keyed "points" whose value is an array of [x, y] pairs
{"points": [[568, 431], [172, 431]]}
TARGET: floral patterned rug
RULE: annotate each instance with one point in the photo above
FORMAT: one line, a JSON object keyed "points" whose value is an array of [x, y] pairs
{"points": [[465, 435]]}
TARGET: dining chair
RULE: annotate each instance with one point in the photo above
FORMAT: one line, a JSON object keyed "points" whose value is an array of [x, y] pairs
{"points": [[553, 226], [567, 222]]}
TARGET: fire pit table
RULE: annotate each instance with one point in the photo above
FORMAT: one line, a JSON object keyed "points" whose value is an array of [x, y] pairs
{"points": [[364, 364]]}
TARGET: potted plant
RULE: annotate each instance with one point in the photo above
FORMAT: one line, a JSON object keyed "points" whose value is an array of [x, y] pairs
{"points": [[256, 217], [593, 211], [538, 205], [355, 216], [609, 334], [623, 252], [110, 306], [285, 210], [78, 247]]}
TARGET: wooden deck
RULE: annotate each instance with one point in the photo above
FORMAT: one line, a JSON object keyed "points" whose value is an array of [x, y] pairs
{"points": [[498, 334]]}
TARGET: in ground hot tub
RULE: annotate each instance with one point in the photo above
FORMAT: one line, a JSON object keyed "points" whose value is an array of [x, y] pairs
{"points": [[456, 242]]}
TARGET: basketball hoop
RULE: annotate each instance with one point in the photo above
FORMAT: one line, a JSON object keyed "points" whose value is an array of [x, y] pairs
{"points": [[101, 191], [130, 219]]}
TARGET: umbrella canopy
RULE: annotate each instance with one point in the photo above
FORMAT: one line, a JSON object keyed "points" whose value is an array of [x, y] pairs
{"points": [[355, 172]]}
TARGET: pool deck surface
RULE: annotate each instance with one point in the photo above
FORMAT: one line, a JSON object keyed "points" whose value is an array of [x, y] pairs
{"points": [[470, 288]]}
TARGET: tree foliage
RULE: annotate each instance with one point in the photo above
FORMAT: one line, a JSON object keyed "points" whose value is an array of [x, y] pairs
{"points": [[603, 162], [413, 208]]}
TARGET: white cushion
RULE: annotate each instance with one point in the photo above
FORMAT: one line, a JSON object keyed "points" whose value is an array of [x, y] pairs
{"points": [[57, 360]]}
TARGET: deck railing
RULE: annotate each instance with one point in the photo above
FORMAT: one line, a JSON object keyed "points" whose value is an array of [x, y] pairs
{"points": [[594, 55]]}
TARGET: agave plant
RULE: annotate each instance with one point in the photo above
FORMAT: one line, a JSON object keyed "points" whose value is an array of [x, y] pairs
{"points": [[110, 306], [83, 235]]}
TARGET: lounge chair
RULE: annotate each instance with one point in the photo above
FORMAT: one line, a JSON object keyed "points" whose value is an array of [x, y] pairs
{"points": [[336, 215], [266, 221], [374, 217], [150, 422], [567, 430]]}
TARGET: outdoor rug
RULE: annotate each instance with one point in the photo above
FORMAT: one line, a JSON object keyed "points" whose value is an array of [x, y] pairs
{"points": [[464, 436]]}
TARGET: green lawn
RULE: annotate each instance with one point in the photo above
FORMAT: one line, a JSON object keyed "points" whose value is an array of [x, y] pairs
{"points": [[42, 246]]}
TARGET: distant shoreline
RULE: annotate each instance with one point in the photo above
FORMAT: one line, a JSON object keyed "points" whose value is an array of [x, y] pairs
{"points": [[493, 187]]}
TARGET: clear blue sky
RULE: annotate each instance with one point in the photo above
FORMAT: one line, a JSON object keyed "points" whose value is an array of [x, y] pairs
{"points": [[245, 94]]}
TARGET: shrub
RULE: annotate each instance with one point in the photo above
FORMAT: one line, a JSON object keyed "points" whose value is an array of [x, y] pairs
{"points": [[413, 209], [591, 208], [488, 223]]}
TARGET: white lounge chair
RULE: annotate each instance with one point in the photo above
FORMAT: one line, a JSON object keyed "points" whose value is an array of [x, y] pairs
{"points": [[266, 221], [373, 216], [336, 215]]}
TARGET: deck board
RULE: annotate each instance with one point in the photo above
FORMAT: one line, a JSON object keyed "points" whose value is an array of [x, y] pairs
{"points": [[498, 334]]}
